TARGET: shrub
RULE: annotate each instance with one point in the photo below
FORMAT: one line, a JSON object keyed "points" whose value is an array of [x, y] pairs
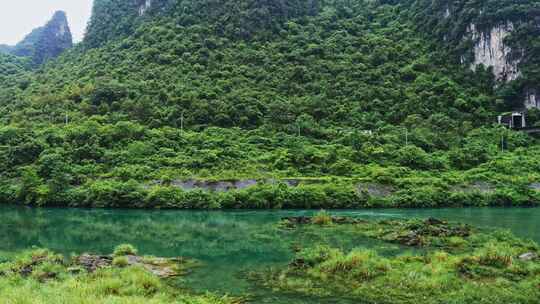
{"points": [[311, 257], [124, 249], [322, 218], [359, 264], [413, 157], [120, 261], [112, 193], [164, 197]]}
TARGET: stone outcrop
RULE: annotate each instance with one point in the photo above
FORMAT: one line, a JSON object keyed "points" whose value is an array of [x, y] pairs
{"points": [[532, 99], [144, 6], [161, 267], [296, 221], [529, 256], [92, 263], [490, 50], [229, 185], [45, 42]]}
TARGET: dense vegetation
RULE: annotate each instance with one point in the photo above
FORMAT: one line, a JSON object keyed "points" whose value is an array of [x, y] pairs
{"points": [[10, 66], [450, 22], [457, 264], [347, 92]]}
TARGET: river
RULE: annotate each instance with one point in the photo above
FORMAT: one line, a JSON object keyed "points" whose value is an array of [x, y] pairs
{"points": [[228, 243]]}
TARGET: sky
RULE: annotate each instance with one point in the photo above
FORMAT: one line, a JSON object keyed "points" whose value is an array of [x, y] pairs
{"points": [[20, 17]]}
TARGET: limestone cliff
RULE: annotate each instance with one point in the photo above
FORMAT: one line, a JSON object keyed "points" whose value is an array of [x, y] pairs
{"points": [[532, 99], [144, 6], [490, 50], [45, 42], [502, 35]]}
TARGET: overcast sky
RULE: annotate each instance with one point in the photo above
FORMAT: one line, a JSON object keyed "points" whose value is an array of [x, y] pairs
{"points": [[19, 17]]}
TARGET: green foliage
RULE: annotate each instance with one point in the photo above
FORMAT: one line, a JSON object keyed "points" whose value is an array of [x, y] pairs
{"points": [[44, 277], [124, 249], [267, 90], [322, 218], [485, 267], [450, 24], [120, 261]]}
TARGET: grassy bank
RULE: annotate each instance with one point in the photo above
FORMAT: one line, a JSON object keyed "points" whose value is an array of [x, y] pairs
{"points": [[423, 192], [40, 276]]}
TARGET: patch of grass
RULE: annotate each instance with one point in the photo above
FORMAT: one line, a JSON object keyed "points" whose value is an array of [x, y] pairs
{"points": [[452, 267], [120, 261], [117, 284]]}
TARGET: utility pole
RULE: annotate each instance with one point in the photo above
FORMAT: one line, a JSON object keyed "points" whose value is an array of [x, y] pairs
{"points": [[406, 137], [502, 143], [182, 122]]}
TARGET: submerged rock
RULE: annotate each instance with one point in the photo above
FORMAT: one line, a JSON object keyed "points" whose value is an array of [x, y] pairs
{"points": [[93, 262], [26, 268], [297, 219], [422, 233], [161, 267], [434, 221], [529, 256], [294, 221]]}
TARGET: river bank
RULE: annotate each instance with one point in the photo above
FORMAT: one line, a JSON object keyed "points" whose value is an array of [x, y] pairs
{"points": [[287, 193]]}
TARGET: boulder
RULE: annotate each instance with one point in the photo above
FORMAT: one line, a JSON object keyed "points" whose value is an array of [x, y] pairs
{"points": [[93, 262], [529, 256], [160, 267]]}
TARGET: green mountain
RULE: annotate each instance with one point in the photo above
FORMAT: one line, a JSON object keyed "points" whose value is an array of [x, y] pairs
{"points": [[44, 42], [305, 103]]}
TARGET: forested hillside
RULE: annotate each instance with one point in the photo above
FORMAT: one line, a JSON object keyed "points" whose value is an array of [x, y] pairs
{"points": [[306, 103], [464, 25], [10, 66]]}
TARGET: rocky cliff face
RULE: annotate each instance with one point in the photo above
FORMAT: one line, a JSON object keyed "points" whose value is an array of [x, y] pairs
{"points": [[144, 6], [490, 50], [532, 99], [45, 42], [498, 34]]}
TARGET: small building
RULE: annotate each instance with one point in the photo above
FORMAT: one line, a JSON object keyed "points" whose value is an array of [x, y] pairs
{"points": [[512, 120]]}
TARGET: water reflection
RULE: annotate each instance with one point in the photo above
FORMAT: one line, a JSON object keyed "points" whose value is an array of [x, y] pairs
{"points": [[226, 242]]}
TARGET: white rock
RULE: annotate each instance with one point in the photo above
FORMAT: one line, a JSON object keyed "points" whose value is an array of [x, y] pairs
{"points": [[529, 256], [144, 7], [532, 99], [490, 51]]}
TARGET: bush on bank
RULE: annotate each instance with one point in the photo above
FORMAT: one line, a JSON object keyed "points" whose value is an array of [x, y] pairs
{"points": [[112, 193]]}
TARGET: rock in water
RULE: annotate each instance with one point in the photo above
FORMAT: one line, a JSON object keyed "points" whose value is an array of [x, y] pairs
{"points": [[529, 256], [161, 267], [93, 262]]}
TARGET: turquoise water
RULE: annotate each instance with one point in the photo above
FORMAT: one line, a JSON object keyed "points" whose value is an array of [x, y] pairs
{"points": [[228, 243]]}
